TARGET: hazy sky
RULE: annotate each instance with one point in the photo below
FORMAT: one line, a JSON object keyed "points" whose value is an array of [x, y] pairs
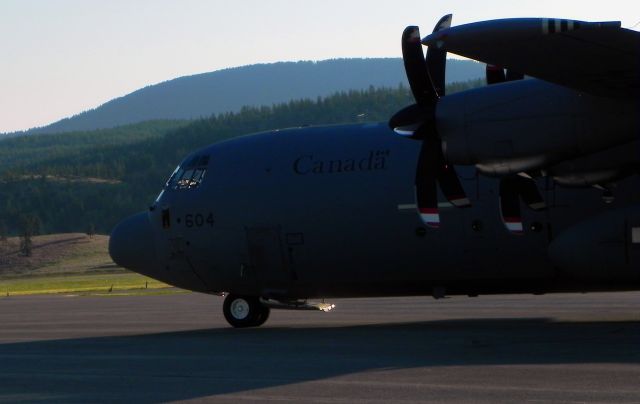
{"points": [[60, 57]]}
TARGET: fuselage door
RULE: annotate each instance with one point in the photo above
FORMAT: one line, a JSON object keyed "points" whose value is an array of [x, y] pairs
{"points": [[266, 257]]}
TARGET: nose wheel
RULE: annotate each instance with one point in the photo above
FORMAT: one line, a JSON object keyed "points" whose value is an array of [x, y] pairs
{"points": [[244, 311]]}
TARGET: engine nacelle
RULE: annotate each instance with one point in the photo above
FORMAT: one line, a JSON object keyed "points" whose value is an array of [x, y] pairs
{"points": [[603, 247], [530, 124], [600, 168]]}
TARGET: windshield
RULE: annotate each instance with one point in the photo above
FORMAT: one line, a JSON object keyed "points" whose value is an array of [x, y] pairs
{"points": [[190, 175]]}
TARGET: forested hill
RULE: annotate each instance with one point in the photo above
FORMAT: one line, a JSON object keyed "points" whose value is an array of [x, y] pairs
{"points": [[266, 84], [76, 181]]}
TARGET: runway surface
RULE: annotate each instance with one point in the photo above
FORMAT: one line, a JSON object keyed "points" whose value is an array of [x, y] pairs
{"points": [[554, 348]]}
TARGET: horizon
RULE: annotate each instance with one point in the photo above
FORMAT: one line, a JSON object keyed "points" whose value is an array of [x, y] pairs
{"points": [[452, 57], [72, 56]]}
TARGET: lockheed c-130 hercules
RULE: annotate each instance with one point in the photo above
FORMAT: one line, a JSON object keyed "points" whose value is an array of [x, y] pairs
{"points": [[522, 186]]}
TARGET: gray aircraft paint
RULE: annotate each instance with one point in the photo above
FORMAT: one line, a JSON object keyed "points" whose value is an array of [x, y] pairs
{"points": [[320, 212], [326, 212]]}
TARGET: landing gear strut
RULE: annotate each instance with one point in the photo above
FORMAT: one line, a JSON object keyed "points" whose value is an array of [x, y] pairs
{"points": [[244, 311]]}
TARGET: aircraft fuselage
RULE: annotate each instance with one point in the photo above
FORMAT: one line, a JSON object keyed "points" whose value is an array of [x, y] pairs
{"points": [[330, 212]]}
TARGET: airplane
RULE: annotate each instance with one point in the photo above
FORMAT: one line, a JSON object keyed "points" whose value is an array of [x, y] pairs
{"points": [[527, 185]]}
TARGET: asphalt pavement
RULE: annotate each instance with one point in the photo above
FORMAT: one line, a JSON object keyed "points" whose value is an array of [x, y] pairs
{"points": [[553, 348]]}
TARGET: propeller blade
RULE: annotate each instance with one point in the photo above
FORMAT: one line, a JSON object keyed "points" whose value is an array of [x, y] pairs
{"points": [[443, 23], [510, 205], [495, 74], [513, 76], [530, 193], [427, 82], [451, 186], [432, 170], [407, 121], [437, 59], [426, 181], [415, 67]]}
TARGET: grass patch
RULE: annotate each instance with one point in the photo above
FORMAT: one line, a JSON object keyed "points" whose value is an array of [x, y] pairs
{"points": [[70, 264], [131, 283]]}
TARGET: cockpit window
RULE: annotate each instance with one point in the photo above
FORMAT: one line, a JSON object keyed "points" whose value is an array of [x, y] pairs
{"points": [[190, 175]]}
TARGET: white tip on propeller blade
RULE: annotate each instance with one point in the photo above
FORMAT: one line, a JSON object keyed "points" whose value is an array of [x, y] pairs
{"points": [[403, 132], [514, 225], [406, 130], [430, 217]]}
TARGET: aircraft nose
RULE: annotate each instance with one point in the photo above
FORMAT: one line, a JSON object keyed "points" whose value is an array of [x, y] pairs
{"points": [[131, 244]]}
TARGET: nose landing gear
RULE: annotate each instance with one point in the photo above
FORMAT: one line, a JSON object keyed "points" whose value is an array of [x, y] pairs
{"points": [[244, 311]]}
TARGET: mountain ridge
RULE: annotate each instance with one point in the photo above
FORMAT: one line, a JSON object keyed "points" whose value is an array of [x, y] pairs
{"points": [[228, 90]]}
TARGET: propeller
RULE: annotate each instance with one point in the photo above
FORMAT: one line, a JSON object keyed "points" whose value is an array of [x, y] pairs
{"points": [[427, 81], [512, 189]]}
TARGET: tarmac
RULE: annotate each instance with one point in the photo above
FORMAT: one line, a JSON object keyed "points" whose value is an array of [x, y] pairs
{"points": [[553, 348]]}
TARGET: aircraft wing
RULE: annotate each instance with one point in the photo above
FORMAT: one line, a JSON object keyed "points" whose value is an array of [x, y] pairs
{"points": [[598, 58]]}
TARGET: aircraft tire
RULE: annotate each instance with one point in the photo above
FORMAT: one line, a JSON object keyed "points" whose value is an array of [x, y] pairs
{"points": [[244, 311]]}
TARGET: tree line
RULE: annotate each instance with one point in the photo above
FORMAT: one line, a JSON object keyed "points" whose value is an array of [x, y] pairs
{"points": [[75, 181]]}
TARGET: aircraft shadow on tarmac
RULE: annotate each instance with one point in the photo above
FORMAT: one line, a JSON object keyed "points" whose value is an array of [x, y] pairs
{"points": [[199, 363]]}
